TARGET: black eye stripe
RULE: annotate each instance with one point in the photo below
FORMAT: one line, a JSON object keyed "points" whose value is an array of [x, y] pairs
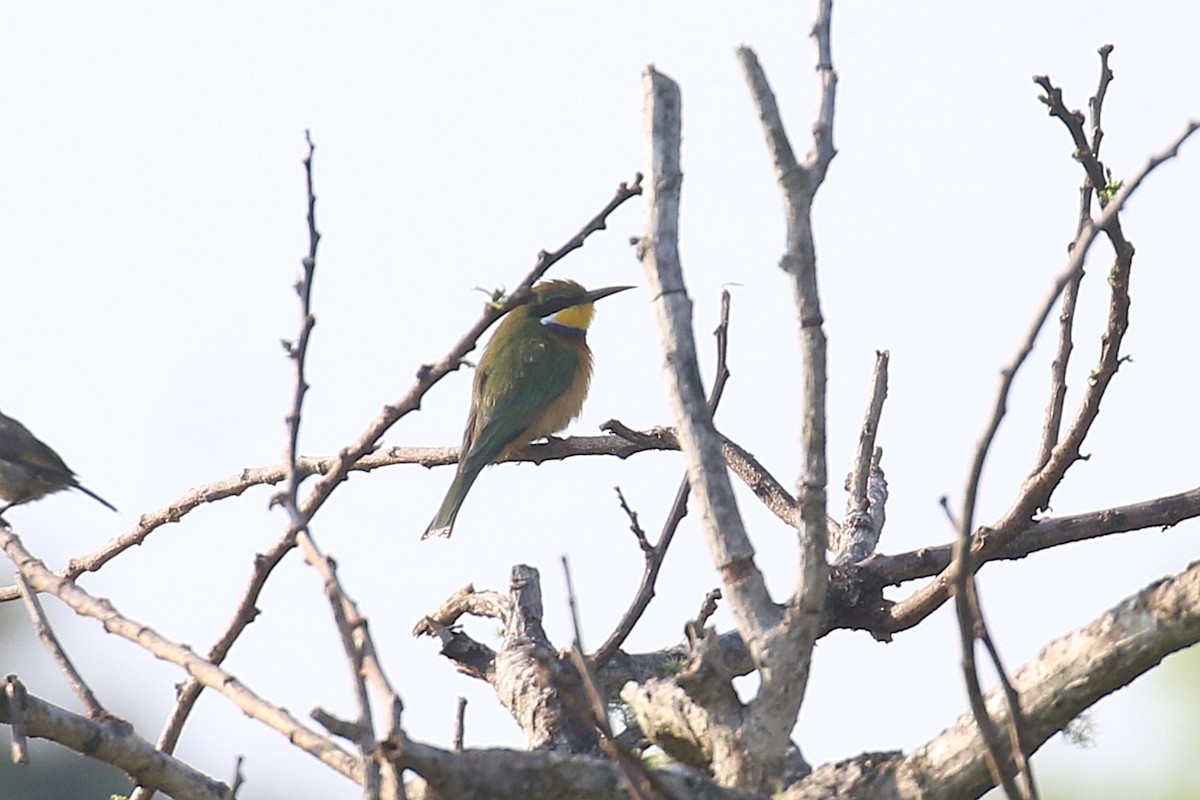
{"points": [[553, 306]]}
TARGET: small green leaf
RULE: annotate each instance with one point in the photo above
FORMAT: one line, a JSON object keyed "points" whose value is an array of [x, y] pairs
{"points": [[495, 296]]}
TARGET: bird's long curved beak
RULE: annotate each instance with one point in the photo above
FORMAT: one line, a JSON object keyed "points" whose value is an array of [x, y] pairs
{"points": [[557, 304], [596, 294]]}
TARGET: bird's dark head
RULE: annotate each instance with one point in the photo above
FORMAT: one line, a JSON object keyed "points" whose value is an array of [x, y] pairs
{"points": [[564, 302]]}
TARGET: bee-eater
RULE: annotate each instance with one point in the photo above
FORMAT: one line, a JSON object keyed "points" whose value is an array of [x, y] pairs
{"points": [[30, 470], [530, 382]]}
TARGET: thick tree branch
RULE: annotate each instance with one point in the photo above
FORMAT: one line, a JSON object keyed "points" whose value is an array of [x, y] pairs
{"points": [[1068, 676], [858, 535], [497, 774], [882, 570], [758, 617], [773, 710], [659, 251], [114, 743]]}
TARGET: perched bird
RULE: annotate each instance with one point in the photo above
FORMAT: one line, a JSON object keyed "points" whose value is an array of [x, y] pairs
{"points": [[30, 470], [530, 382]]}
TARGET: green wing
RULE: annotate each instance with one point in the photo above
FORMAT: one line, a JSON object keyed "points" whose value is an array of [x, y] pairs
{"points": [[518, 379]]}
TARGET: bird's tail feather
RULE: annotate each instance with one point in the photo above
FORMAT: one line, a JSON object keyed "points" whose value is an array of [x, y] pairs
{"points": [[94, 496], [443, 522]]}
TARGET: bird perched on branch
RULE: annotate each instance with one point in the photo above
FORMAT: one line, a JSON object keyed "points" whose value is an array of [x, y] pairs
{"points": [[531, 382], [30, 470]]}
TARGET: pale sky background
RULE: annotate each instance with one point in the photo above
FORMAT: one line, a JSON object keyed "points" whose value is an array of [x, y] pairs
{"points": [[152, 208]]}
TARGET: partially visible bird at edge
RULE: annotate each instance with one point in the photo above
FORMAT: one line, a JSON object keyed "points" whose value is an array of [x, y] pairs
{"points": [[30, 470], [531, 381]]}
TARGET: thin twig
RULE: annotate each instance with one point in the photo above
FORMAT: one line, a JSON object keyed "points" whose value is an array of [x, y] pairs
{"points": [[1035, 493], [585, 700], [14, 701], [42, 626], [1015, 724], [572, 603], [994, 753], [460, 724], [298, 350], [238, 776], [657, 554], [1066, 316], [634, 526], [350, 625], [998, 753], [944, 502], [694, 628]]}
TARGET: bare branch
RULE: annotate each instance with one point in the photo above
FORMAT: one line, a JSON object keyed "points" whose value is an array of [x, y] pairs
{"points": [[1036, 491], [658, 249], [823, 150], [466, 601], [238, 776], [13, 711], [1161, 512], [496, 774], [635, 526], [535, 703], [554, 450], [356, 643], [970, 626], [1066, 317], [657, 554], [207, 673], [460, 724], [1068, 675], [113, 743], [1015, 724], [785, 674], [298, 351], [1075, 671], [859, 532], [351, 625], [581, 694], [41, 626]]}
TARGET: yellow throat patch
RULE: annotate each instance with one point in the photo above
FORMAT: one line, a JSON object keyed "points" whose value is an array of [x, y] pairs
{"points": [[579, 317]]}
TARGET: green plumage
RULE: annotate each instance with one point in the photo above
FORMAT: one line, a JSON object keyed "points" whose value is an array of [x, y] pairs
{"points": [[531, 381]]}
